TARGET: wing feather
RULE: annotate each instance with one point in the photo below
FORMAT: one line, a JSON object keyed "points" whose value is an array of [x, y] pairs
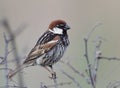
{"points": [[41, 49]]}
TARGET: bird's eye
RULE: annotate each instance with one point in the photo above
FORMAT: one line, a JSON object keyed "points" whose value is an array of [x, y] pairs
{"points": [[57, 25], [60, 25]]}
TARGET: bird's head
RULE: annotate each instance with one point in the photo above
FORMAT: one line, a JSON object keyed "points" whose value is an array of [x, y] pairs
{"points": [[58, 26]]}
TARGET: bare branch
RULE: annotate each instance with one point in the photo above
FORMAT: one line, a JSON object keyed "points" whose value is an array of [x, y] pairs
{"points": [[5, 69], [109, 58], [55, 83], [10, 51], [19, 30], [7, 27], [72, 78], [91, 31], [7, 52], [88, 64], [115, 84], [1, 59], [86, 53], [81, 74], [60, 84], [42, 85], [98, 53], [5, 59], [12, 86]]}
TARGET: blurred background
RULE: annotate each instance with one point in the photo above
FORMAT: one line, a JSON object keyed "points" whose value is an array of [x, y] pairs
{"points": [[82, 16]]}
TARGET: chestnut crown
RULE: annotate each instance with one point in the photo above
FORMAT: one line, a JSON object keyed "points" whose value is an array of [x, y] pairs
{"points": [[61, 24]]}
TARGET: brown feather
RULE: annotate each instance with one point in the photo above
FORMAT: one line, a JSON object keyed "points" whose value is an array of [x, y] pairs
{"points": [[39, 50], [50, 45], [56, 22]]}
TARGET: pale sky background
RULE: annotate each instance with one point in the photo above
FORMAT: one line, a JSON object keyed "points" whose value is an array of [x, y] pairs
{"points": [[82, 16]]}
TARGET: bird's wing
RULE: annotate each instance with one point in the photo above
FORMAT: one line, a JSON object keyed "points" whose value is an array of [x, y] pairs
{"points": [[41, 49]]}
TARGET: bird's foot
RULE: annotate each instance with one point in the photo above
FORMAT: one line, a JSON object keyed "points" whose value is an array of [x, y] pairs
{"points": [[53, 76]]}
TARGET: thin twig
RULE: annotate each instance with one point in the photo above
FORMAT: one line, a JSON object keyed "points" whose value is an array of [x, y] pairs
{"points": [[81, 74], [5, 60], [5, 69], [59, 84], [115, 84], [13, 43], [72, 78], [97, 55], [55, 82], [1, 57], [86, 38], [12, 86], [109, 58], [19, 30], [91, 31], [88, 63], [43, 86], [10, 51], [1, 60]]}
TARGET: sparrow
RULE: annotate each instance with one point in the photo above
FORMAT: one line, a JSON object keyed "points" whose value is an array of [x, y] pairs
{"points": [[49, 48]]}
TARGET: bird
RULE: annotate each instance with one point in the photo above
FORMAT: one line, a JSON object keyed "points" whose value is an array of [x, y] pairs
{"points": [[49, 48]]}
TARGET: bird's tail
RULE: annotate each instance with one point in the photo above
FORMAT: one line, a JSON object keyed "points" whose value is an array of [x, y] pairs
{"points": [[15, 71]]}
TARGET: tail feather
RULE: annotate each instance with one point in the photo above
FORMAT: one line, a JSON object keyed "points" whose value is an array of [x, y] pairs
{"points": [[15, 71]]}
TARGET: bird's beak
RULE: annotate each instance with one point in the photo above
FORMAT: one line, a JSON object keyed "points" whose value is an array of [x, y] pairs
{"points": [[66, 27]]}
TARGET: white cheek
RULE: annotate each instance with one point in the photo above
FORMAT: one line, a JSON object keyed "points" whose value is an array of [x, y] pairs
{"points": [[57, 30]]}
